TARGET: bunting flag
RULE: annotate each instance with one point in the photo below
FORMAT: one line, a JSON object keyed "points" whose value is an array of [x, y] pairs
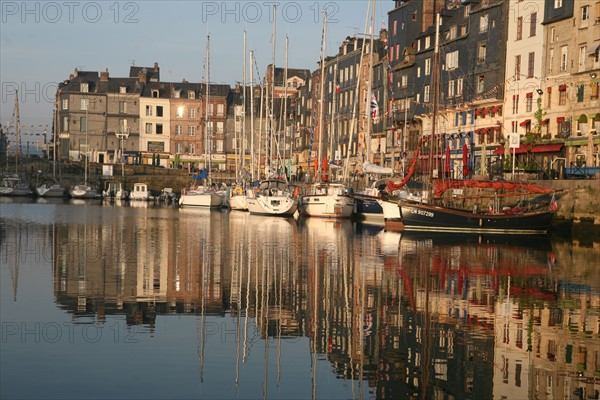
{"points": [[553, 202], [337, 87]]}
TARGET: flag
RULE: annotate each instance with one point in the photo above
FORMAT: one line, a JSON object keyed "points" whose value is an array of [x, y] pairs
{"points": [[337, 88], [553, 202], [374, 107]]}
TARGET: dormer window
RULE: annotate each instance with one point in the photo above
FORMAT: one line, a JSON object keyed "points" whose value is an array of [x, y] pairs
{"points": [[84, 87], [123, 89], [176, 94], [191, 94], [155, 93]]}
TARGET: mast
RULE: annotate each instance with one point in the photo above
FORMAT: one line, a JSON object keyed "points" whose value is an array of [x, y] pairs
{"points": [[434, 88], [285, 101], [17, 133], [322, 99], [272, 104], [208, 134], [87, 124], [369, 87], [243, 152], [252, 115]]}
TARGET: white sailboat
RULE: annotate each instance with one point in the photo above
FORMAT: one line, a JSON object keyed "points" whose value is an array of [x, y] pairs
{"points": [[204, 196], [13, 184], [274, 197], [51, 187], [84, 190], [325, 199]]}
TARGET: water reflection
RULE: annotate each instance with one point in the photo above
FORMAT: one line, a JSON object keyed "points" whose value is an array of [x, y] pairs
{"points": [[273, 307]]}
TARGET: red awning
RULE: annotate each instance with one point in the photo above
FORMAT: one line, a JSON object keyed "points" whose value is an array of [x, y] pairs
{"points": [[562, 88], [546, 121], [547, 148], [549, 90], [530, 94], [560, 119], [520, 150], [524, 123]]}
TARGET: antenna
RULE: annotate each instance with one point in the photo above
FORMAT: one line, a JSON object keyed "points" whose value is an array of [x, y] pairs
{"points": [[132, 63]]}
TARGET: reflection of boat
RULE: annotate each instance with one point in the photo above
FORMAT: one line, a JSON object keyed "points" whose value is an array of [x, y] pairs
{"points": [[536, 242], [329, 200], [140, 192], [273, 197]]}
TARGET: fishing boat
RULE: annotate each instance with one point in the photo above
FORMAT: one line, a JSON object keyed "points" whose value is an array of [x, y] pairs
{"points": [[13, 184], [432, 213], [273, 197], [140, 192]]}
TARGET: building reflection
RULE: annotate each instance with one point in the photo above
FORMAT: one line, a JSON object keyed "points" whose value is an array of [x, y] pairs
{"points": [[409, 316]]}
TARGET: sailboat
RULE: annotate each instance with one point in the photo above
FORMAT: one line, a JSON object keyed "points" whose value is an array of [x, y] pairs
{"points": [[204, 196], [51, 187], [405, 215], [274, 196], [13, 184], [325, 199], [84, 190]]}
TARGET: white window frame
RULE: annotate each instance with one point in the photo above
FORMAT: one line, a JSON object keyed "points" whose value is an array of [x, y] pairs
{"points": [[65, 104], [84, 104]]}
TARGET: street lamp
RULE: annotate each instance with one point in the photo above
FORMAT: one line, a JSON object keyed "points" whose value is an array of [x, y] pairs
{"points": [[122, 135]]}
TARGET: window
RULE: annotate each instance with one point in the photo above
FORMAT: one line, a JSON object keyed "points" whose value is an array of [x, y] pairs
{"points": [[562, 95], [65, 104], [580, 90], [451, 88], [551, 61], [452, 32], [65, 124], [84, 104], [191, 113], [220, 110], [219, 127], [404, 81], [176, 94], [155, 93], [427, 66], [191, 130], [209, 127], [159, 129], [395, 27], [148, 111], [219, 145], [480, 84], [159, 111], [123, 125], [392, 53], [418, 72], [481, 52], [84, 87], [211, 109], [452, 60], [82, 124], [191, 94], [585, 13], [426, 93], [563, 58], [483, 23], [459, 87], [122, 89], [397, 51], [530, 65], [549, 97], [552, 35], [529, 102], [594, 91], [582, 54], [532, 24], [427, 42], [519, 28], [517, 68], [596, 54], [557, 3], [148, 128], [192, 148], [467, 10], [122, 107], [463, 30], [515, 104], [178, 130]]}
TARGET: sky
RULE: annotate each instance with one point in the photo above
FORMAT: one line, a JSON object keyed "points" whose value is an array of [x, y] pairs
{"points": [[42, 42]]}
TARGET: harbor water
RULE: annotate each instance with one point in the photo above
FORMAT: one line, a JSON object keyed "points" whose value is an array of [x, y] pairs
{"points": [[134, 300]]}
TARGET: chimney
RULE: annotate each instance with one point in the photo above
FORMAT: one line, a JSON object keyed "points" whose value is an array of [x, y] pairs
{"points": [[75, 73], [142, 76], [155, 67], [104, 76]]}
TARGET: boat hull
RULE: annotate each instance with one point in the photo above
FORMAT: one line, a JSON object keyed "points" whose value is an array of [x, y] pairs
{"points": [[368, 208], [327, 206], [205, 200], [83, 192], [239, 203], [50, 191], [282, 206], [424, 217]]}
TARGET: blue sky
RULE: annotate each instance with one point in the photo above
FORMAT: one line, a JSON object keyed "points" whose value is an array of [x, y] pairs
{"points": [[41, 43]]}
